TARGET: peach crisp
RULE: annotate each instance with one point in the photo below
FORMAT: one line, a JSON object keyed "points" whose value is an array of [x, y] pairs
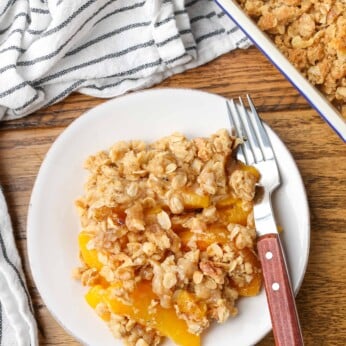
{"points": [[167, 244]]}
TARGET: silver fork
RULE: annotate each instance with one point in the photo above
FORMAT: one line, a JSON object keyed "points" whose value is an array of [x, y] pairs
{"points": [[256, 150]]}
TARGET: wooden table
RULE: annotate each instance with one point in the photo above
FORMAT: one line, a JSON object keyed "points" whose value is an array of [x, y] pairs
{"points": [[319, 153]]}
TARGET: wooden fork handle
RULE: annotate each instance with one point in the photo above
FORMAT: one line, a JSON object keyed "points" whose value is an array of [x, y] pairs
{"points": [[280, 297]]}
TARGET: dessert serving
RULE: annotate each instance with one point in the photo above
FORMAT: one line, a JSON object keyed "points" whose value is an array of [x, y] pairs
{"points": [[312, 35], [168, 242]]}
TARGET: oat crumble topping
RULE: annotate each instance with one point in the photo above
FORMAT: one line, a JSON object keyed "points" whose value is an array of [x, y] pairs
{"points": [[312, 35], [168, 235]]}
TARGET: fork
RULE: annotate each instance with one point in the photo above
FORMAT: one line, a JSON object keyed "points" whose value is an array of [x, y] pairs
{"points": [[256, 150]]}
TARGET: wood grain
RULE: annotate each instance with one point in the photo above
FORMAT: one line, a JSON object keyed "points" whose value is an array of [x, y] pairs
{"points": [[319, 154]]}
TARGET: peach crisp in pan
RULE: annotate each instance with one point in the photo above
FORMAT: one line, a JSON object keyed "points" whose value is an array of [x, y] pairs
{"points": [[312, 35]]}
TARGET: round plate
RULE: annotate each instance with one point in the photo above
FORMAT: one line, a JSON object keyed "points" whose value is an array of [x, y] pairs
{"points": [[53, 223]]}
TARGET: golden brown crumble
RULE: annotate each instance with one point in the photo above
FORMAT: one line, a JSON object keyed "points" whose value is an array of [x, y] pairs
{"points": [[176, 214], [312, 35]]}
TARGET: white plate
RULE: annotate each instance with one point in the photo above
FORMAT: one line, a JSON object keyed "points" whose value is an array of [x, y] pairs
{"points": [[268, 48], [53, 223]]}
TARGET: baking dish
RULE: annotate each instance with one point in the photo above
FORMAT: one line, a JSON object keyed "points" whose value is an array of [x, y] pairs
{"points": [[316, 99]]}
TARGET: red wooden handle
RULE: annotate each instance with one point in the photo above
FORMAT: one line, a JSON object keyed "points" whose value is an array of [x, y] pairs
{"points": [[280, 297]]}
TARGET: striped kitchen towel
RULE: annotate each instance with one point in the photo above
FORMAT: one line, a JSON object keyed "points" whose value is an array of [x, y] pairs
{"points": [[103, 48], [17, 322]]}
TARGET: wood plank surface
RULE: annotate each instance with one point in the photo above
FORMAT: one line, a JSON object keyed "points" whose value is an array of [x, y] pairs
{"points": [[319, 154]]}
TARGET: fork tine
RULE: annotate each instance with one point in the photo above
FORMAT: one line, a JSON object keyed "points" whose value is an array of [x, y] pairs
{"points": [[241, 131], [240, 151], [252, 136], [231, 120], [262, 135]]}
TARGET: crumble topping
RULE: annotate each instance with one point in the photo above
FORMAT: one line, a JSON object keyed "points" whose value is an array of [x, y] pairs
{"points": [[172, 219], [312, 35]]}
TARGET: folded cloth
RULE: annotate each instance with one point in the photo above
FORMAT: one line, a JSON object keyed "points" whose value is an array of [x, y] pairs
{"points": [[103, 48], [17, 323]]}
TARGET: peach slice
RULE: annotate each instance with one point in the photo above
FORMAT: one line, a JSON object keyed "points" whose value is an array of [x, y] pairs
{"points": [[165, 321], [192, 200], [189, 304], [90, 257], [95, 296], [235, 214]]}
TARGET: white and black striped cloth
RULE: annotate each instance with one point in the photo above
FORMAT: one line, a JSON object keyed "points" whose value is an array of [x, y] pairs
{"points": [[103, 48], [17, 322]]}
